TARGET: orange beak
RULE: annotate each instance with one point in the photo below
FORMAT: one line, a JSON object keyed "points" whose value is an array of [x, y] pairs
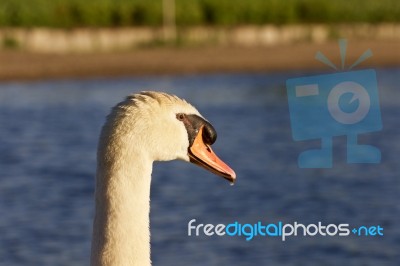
{"points": [[202, 155]]}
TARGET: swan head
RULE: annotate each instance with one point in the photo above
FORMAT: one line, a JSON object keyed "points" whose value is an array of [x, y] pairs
{"points": [[165, 127]]}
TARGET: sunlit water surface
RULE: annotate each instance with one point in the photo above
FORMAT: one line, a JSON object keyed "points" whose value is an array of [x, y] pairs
{"points": [[48, 137]]}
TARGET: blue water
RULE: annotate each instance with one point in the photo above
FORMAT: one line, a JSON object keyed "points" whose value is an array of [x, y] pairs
{"points": [[48, 138]]}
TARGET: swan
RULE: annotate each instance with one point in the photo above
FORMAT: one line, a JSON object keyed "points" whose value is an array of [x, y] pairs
{"points": [[145, 127]]}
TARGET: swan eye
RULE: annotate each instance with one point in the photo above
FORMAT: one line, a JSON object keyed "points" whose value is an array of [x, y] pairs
{"points": [[180, 116]]}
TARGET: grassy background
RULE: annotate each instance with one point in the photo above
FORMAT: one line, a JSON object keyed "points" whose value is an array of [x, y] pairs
{"points": [[117, 13]]}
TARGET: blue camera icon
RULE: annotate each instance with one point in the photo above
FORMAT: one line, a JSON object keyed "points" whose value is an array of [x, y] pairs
{"points": [[324, 106]]}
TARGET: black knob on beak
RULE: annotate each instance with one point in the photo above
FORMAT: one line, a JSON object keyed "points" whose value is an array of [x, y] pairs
{"points": [[209, 133], [193, 124]]}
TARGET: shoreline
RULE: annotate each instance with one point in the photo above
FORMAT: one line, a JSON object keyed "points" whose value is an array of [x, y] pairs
{"points": [[21, 65]]}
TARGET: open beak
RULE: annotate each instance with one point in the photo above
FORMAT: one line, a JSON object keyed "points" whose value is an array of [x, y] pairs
{"points": [[202, 155]]}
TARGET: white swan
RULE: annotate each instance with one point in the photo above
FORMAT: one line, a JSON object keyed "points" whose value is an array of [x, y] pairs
{"points": [[146, 127]]}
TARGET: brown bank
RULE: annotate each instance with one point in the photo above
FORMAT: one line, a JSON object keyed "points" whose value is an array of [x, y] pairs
{"points": [[18, 65]]}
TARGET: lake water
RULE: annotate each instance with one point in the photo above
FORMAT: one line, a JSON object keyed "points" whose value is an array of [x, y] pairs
{"points": [[48, 138]]}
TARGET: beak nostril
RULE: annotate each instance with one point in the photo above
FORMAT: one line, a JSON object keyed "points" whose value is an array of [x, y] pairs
{"points": [[201, 153]]}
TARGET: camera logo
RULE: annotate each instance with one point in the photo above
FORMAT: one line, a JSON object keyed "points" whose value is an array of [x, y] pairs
{"points": [[342, 103]]}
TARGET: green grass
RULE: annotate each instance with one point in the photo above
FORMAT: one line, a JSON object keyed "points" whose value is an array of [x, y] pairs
{"points": [[117, 13], [10, 43]]}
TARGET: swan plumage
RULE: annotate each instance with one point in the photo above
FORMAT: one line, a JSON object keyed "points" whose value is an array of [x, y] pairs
{"points": [[145, 127]]}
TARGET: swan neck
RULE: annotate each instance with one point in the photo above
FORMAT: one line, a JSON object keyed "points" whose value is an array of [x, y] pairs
{"points": [[121, 226]]}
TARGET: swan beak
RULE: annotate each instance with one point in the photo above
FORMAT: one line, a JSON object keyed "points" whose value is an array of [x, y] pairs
{"points": [[202, 155]]}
